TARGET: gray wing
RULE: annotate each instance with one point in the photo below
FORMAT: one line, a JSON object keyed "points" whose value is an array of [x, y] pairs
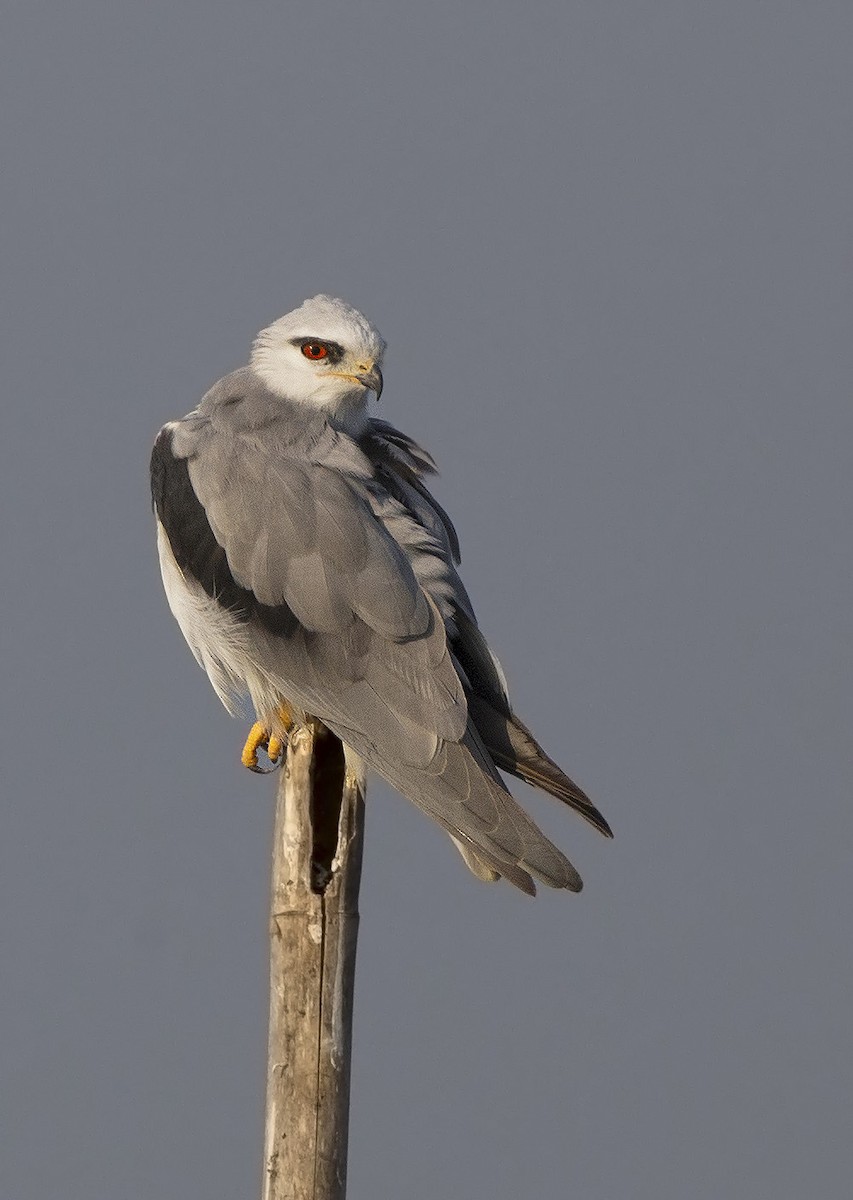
{"points": [[433, 548], [300, 520]]}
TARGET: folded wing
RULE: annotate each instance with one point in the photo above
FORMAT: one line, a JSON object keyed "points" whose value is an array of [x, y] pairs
{"points": [[285, 533]]}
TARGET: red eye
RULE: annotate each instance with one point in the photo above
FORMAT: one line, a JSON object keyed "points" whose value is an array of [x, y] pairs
{"points": [[315, 350]]}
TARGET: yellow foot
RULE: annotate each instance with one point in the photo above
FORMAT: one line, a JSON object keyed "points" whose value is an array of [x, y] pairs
{"points": [[260, 738]]}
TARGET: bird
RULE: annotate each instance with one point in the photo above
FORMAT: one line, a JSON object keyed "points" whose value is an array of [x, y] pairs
{"points": [[315, 578]]}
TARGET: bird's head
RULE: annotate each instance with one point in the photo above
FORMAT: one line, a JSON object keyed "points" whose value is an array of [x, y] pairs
{"points": [[324, 354]]}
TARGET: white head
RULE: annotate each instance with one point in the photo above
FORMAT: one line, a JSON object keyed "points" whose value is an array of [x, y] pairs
{"points": [[325, 354]]}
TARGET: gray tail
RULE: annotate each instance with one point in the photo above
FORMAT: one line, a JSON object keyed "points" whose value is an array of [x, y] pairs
{"points": [[463, 792]]}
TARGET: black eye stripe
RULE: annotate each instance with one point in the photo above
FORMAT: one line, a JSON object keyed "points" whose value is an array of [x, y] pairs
{"points": [[334, 352]]}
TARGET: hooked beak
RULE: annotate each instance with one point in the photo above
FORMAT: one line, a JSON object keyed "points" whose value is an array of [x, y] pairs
{"points": [[371, 377]]}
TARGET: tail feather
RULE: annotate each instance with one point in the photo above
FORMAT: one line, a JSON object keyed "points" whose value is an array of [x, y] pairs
{"points": [[488, 871], [467, 797]]}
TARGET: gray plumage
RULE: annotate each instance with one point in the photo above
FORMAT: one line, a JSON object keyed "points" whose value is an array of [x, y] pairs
{"points": [[307, 561]]}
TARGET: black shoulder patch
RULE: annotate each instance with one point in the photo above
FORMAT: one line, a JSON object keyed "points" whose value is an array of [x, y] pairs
{"points": [[194, 546]]}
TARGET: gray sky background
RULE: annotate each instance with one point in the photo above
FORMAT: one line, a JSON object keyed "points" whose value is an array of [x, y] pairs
{"points": [[609, 245]]}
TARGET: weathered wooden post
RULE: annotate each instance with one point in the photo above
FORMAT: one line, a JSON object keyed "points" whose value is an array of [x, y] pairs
{"points": [[316, 871]]}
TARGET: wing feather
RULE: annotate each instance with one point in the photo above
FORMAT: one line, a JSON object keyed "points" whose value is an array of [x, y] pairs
{"points": [[340, 570], [298, 533]]}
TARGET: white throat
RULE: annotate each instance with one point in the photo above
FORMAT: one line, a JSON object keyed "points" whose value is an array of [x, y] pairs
{"points": [[342, 401]]}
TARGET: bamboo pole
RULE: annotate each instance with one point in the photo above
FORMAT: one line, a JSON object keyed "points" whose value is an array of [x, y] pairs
{"points": [[316, 872]]}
